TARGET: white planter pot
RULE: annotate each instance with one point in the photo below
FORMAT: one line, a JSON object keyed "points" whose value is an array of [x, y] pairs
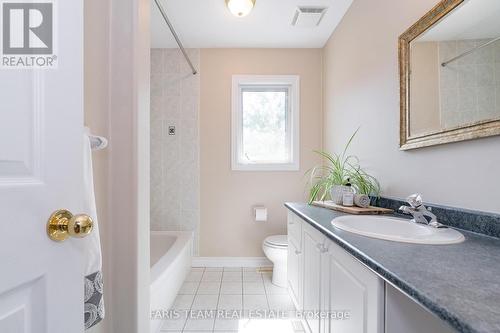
{"points": [[337, 193]]}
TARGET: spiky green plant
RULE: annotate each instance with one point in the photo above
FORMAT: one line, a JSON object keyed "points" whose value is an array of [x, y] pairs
{"points": [[339, 169], [335, 172], [363, 182]]}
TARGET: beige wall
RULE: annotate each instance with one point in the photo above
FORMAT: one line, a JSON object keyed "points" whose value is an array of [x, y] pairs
{"points": [[362, 89], [117, 89], [425, 114], [96, 116], [227, 197]]}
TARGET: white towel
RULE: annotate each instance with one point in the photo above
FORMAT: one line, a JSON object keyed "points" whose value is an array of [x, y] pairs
{"points": [[91, 243], [362, 200]]}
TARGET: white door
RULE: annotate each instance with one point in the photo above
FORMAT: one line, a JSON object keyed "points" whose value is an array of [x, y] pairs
{"points": [[41, 131]]}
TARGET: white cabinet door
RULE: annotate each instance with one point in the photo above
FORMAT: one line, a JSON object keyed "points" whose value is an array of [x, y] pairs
{"points": [[294, 259], [350, 286], [312, 242], [294, 270], [41, 170], [404, 315]]}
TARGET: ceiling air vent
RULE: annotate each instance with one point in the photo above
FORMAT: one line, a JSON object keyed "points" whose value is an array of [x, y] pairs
{"points": [[308, 17]]}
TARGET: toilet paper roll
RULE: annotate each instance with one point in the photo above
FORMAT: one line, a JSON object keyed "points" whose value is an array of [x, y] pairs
{"points": [[260, 214]]}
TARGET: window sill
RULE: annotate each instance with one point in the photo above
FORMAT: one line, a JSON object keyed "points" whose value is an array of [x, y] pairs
{"points": [[265, 167]]}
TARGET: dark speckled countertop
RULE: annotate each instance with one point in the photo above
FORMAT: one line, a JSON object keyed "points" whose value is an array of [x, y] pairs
{"points": [[459, 283]]}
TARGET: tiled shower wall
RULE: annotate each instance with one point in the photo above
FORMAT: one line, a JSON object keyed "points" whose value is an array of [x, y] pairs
{"points": [[470, 86], [175, 164]]}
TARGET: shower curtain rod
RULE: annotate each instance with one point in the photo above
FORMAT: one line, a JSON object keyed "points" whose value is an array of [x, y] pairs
{"points": [[176, 37], [444, 64]]}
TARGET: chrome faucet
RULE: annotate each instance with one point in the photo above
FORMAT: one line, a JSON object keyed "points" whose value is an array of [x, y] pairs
{"points": [[420, 212]]}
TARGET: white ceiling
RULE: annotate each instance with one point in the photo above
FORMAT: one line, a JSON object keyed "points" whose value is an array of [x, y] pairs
{"points": [[475, 19], [209, 24]]}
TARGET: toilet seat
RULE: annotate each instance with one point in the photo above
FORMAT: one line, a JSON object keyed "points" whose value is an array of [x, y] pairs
{"points": [[278, 241]]}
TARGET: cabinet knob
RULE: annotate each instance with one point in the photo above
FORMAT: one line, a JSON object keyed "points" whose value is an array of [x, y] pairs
{"points": [[322, 248], [297, 252]]}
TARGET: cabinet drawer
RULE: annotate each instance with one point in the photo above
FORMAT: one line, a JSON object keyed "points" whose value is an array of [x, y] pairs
{"points": [[294, 230]]}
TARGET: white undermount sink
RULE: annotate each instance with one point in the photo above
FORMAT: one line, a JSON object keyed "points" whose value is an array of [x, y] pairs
{"points": [[397, 230]]}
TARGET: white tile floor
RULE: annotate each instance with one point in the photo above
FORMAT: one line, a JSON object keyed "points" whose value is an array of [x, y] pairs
{"points": [[231, 300]]}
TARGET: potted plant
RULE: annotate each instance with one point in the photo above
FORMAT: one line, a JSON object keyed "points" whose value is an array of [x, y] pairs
{"points": [[330, 180]]}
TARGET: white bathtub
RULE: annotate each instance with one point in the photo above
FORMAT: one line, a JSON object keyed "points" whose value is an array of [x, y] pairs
{"points": [[170, 264]]}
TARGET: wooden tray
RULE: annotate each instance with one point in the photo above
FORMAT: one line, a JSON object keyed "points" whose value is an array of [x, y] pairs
{"points": [[371, 210]]}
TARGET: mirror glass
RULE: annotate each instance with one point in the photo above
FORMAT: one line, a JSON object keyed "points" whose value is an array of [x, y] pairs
{"points": [[454, 75]]}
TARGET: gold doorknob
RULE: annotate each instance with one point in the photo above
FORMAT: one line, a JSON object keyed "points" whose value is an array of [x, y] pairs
{"points": [[62, 225]]}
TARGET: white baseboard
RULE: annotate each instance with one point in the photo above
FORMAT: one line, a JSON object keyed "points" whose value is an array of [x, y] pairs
{"points": [[231, 262]]}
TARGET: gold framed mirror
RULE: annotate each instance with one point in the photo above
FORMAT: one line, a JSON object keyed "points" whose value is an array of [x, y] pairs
{"points": [[449, 64]]}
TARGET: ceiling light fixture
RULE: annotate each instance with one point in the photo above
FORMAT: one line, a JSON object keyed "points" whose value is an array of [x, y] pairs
{"points": [[240, 8]]}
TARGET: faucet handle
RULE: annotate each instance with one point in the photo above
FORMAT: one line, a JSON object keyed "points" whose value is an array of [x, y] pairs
{"points": [[415, 200], [405, 210]]}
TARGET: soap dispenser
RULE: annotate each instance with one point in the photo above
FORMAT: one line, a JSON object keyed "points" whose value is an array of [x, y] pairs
{"points": [[348, 196]]}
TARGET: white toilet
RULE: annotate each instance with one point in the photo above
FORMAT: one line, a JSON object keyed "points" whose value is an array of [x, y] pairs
{"points": [[276, 250]]}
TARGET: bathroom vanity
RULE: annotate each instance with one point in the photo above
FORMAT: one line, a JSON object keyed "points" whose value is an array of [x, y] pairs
{"points": [[316, 267], [386, 286]]}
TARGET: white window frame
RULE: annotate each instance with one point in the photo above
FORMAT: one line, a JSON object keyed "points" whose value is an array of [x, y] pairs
{"points": [[243, 81]]}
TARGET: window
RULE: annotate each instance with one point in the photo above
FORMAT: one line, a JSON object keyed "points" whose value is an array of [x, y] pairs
{"points": [[265, 123]]}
